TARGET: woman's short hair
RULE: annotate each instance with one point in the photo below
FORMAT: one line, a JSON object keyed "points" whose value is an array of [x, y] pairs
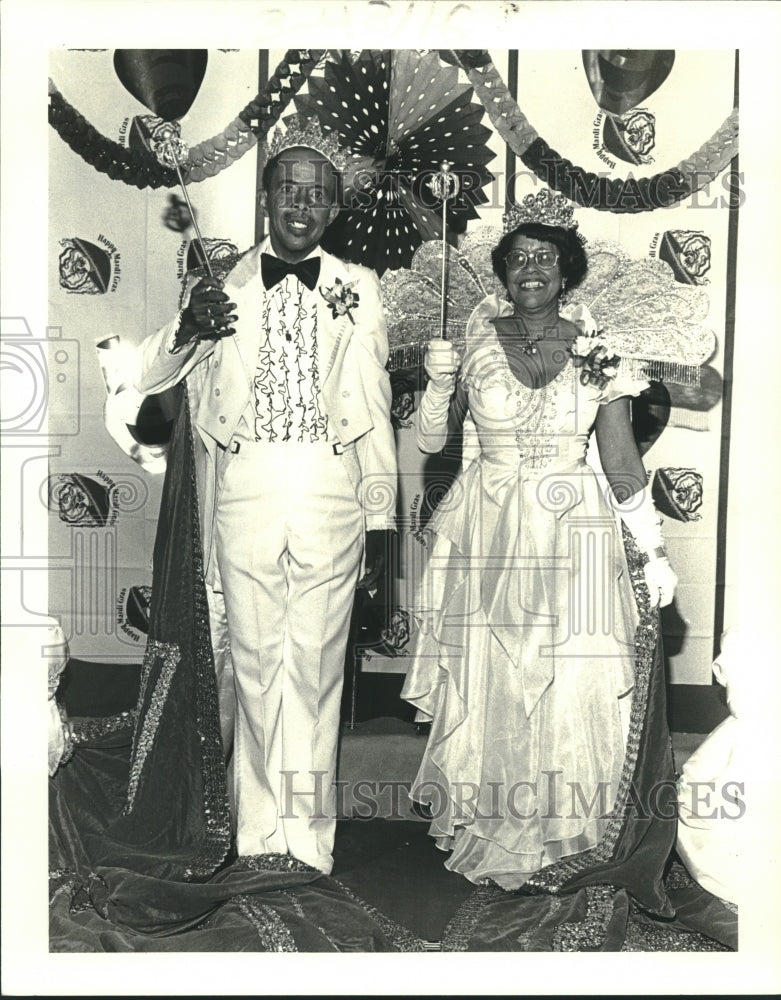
{"points": [[573, 263]]}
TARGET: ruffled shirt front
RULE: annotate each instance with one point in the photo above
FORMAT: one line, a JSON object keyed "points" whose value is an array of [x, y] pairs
{"points": [[287, 403]]}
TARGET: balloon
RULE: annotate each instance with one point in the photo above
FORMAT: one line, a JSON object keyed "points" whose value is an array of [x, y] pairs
{"points": [[154, 421], [621, 79], [700, 397], [650, 414], [164, 80]]}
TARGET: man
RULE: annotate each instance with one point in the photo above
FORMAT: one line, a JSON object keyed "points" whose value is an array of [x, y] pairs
{"points": [[296, 471]]}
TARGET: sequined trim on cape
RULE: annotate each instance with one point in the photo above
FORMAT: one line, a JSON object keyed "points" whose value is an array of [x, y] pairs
{"points": [[642, 935], [273, 934], [587, 934], [401, 938], [87, 731], [273, 863], [215, 788], [168, 655], [461, 928]]}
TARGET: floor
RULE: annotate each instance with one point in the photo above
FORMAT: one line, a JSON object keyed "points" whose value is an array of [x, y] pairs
{"points": [[394, 866], [385, 854]]}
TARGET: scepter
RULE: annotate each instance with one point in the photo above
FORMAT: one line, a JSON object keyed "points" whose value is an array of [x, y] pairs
{"points": [[444, 185], [168, 156]]}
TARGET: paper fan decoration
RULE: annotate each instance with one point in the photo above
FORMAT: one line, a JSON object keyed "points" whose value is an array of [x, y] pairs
{"points": [[401, 114], [654, 323]]}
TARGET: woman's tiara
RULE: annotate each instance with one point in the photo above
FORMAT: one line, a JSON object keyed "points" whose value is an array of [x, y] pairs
{"points": [[545, 208]]}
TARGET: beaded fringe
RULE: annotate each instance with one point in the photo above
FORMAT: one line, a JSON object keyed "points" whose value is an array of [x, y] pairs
{"points": [[411, 356]]}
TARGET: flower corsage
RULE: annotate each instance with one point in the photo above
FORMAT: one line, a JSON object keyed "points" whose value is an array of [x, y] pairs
{"points": [[341, 299], [598, 361]]}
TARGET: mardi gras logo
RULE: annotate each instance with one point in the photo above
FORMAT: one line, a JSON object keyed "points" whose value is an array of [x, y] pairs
{"points": [[133, 607], [150, 133], [631, 136], [83, 500], [678, 493], [396, 634], [403, 398], [86, 268], [192, 253], [384, 632], [688, 253]]}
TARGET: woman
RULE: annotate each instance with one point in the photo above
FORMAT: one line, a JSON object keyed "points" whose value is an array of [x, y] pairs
{"points": [[526, 656]]}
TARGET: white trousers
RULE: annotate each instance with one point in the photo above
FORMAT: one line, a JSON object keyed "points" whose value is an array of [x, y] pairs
{"points": [[289, 543]]}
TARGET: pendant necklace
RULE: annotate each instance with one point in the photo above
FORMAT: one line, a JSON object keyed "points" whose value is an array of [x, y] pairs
{"points": [[530, 346], [529, 343]]}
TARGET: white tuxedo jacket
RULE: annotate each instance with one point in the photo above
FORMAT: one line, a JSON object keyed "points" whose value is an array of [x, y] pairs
{"points": [[354, 384]]}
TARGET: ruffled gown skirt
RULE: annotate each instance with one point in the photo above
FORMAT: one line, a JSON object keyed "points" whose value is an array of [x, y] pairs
{"points": [[524, 663]]}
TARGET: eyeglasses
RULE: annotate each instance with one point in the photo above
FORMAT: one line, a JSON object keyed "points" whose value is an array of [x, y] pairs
{"points": [[518, 259]]}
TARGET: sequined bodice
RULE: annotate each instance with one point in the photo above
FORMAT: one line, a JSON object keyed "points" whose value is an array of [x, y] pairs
{"points": [[535, 429]]}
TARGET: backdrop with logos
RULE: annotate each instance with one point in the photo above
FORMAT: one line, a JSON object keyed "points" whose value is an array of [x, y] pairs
{"points": [[645, 152]]}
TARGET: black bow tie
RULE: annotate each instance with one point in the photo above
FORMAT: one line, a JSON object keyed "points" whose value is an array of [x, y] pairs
{"points": [[274, 270]]}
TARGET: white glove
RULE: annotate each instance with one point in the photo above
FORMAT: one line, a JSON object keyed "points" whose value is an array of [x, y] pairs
{"points": [[661, 581], [441, 362], [641, 518]]}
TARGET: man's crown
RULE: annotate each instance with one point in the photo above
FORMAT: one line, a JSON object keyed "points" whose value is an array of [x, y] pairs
{"points": [[302, 131], [545, 207]]}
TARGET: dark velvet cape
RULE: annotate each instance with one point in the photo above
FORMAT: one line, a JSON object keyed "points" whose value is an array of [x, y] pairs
{"points": [[140, 835]]}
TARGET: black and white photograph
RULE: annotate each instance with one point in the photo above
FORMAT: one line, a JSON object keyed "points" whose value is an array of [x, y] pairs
{"points": [[389, 502]]}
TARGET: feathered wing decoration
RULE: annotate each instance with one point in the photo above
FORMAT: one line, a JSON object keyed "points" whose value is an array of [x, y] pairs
{"points": [[651, 321], [401, 115], [412, 296]]}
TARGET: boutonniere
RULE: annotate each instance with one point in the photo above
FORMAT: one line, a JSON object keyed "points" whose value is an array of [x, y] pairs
{"points": [[597, 359], [341, 299]]}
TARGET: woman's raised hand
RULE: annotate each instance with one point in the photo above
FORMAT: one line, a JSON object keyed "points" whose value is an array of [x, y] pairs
{"points": [[441, 362]]}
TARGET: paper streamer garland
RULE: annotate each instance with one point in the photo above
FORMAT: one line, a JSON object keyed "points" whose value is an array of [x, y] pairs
{"points": [[141, 168], [581, 186], [642, 194]]}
